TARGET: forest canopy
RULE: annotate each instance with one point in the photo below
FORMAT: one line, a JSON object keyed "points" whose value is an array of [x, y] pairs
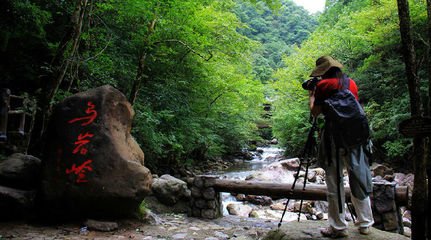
{"points": [[193, 70], [199, 72]]}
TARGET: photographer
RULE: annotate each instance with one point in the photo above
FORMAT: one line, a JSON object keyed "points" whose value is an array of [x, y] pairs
{"points": [[333, 158]]}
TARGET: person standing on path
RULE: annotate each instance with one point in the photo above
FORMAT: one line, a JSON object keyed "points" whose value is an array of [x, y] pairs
{"points": [[334, 158]]}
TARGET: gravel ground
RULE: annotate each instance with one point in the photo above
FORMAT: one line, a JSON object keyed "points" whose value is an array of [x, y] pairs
{"points": [[176, 226], [167, 226]]}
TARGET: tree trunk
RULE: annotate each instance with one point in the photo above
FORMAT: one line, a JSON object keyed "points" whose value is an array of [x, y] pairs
{"points": [[429, 114], [77, 20], [60, 67], [419, 198], [141, 62], [138, 80]]}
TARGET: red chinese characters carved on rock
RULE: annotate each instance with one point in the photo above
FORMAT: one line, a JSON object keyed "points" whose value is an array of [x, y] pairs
{"points": [[79, 145], [80, 171], [81, 142], [92, 114]]}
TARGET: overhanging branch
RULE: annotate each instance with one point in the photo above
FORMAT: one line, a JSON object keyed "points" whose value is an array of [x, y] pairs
{"points": [[206, 58]]}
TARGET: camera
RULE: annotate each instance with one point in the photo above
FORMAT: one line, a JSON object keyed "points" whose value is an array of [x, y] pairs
{"points": [[310, 84]]}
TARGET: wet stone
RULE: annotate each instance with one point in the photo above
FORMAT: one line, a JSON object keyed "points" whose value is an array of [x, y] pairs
{"points": [[390, 221], [101, 226], [179, 236], [211, 204], [196, 192], [201, 203], [198, 182], [209, 214], [221, 235], [209, 193], [196, 212]]}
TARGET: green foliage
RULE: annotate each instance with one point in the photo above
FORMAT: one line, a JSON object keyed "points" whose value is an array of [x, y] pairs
{"points": [[198, 98], [143, 210], [23, 44], [276, 30], [397, 148], [201, 65]]}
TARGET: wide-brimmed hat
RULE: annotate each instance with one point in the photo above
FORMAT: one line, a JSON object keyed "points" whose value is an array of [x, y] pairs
{"points": [[323, 64]]}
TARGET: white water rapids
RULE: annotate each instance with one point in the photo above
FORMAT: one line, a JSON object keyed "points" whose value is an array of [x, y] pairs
{"points": [[243, 168]]}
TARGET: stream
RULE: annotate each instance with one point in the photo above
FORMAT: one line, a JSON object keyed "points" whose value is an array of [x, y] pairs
{"points": [[262, 157]]}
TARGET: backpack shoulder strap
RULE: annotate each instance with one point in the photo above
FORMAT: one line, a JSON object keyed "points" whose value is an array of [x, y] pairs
{"points": [[346, 82]]}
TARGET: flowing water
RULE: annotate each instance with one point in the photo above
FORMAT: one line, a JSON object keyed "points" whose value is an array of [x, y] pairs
{"points": [[261, 158], [243, 168]]}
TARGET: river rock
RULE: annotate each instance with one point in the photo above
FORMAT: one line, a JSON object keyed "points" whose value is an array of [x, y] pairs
{"points": [[20, 171], [290, 164], [277, 171], [101, 226], [281, 205], [321, 206], [15, 203], [407, 232], [170, 190], [307, 207], [404, 179], [94, 167], [258, 200], [380, 170], [239, 209], [276, 215], [407, 222], [239, 197], [267, 214], [316, 175]]}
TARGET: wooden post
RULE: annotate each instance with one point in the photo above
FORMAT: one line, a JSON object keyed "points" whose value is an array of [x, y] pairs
{"points": [[4, 109]]}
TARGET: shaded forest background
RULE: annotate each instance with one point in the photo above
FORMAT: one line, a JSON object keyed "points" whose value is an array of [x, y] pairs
{"points": [[199, 72]]}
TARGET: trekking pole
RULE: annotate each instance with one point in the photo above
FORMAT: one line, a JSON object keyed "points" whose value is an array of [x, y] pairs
{"points": [[307, 151]]}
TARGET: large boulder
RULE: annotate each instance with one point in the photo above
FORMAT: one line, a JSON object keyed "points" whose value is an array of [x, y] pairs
{"points": [[278, 172], [20, 171], [239, 209], [93, 165], [170, 190], [15, 203]]}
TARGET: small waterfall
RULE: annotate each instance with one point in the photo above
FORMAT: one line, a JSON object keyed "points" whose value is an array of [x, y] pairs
{"points": [[262, 157]]}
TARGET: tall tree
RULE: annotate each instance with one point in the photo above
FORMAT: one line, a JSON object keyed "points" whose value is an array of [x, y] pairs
{"points": [[429, 114], [419, 198]]}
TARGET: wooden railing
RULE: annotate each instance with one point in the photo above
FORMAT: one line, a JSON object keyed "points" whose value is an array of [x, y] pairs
{"points": [[16, 122]]}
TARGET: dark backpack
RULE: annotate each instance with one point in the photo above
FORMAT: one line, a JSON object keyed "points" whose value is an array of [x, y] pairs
{"points": [[345, 119]]}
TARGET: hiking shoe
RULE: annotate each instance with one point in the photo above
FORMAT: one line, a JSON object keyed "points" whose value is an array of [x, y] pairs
{"points": [[364, 230], [333, 233]]}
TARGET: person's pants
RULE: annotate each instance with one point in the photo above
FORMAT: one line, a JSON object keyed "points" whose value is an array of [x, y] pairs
{"points": [[362, 207]]}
